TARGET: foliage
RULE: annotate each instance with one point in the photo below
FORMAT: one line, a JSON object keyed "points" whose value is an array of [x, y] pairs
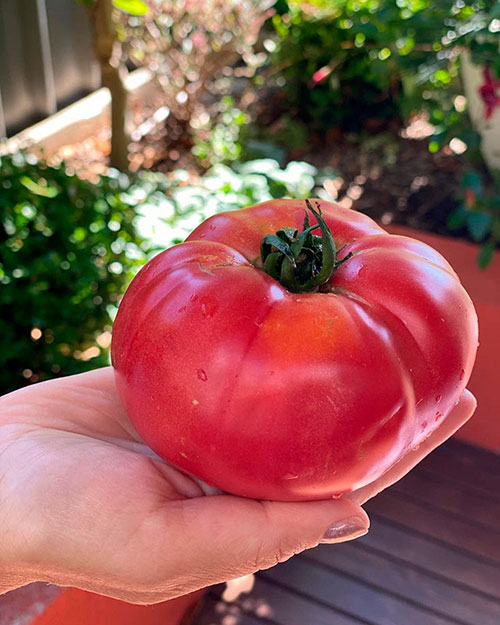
{"points": [[198, 50], [350, 61], [176, 205], [221, 141], [133, 7], [68, 249], [479, 213]]}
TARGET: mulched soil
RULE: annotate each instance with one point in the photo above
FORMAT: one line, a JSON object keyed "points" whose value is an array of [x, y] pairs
{"points": [[390, 176], [393, 179]]}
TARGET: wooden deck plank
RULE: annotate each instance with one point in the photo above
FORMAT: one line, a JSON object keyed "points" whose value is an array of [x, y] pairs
{"points": [[358, 599], [215, 612], [465, 469], [432, 557], [407, 582], [488, 459], [438, 524], [402, 543], [271, 602], [463, 501]]}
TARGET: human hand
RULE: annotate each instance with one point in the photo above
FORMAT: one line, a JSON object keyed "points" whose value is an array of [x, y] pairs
{"points": [[83, 502]]}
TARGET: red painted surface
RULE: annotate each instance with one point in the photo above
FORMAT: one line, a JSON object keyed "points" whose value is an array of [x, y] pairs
{"points": [[44, 604], [484, 288], [76, 607]]}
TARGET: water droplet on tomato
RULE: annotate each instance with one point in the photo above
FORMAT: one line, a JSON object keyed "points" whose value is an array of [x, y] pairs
{"points": [[181, 309], [193, 298], [415, 447], [424, 425], [336, 495], [202, 236], [438, 415], [290, 476], [462, 374], [208, 310], [438, 398], [212, 227], [202, 375]]}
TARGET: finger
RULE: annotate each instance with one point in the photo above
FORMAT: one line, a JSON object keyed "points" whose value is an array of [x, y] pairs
{"points": [[213, 539], [190, 544], [86, 403], [460, 414]]}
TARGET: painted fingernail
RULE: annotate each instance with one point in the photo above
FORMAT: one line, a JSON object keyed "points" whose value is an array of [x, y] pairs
{"points": [[345, 530]]}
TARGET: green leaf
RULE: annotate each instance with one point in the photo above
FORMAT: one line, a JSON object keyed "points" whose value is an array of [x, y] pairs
{"points": [[478, 225], [472, 180], [486, 254], [38, 189], [457, 218], [271, 240], [134, 7]]}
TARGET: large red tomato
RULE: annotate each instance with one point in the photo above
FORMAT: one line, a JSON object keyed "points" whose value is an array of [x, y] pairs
{"points": [[301, 389]]}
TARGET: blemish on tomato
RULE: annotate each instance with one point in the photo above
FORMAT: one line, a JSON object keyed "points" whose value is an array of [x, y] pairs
{"points": [[438, 398], [208, 310], [183, 454], [202, 375]]}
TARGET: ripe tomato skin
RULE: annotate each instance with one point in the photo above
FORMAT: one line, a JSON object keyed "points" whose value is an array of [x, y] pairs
{"points": [[277, 395]]}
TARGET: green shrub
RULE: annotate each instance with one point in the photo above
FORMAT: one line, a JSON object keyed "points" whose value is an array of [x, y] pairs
{"points": [[478, 214], [68, 249], [175, 206], [353, 62]]}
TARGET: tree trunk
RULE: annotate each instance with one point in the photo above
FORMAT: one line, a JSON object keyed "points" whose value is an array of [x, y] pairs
{"points": [[107, 49]]}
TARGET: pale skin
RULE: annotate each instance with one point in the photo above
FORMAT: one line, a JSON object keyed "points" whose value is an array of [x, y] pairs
{"points": [[84, 503]]}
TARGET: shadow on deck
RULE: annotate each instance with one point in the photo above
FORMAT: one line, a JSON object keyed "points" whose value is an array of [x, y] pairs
{"points": [[432, 557]]}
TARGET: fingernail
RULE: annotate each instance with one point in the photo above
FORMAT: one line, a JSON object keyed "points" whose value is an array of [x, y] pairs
{"points": [[345, 530]]}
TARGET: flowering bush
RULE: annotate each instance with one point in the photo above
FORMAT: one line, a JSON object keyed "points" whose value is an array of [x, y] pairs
{"points": [[194, 47]]}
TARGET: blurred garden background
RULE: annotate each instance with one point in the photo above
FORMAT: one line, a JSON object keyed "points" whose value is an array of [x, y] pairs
{"points": [[389, 107]]}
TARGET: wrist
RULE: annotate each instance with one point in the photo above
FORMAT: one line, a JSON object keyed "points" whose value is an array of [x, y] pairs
{"points": [[14, 544]]}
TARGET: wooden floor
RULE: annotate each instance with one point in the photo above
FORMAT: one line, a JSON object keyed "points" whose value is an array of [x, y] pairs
{"points": [[432, 557]]}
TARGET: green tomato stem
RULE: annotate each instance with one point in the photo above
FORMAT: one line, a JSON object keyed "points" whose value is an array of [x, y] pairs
{"points": [[301, 262]]}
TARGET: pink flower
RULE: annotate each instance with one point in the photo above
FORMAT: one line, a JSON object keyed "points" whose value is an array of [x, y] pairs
{"points": [[488, 92], [320, 75]]}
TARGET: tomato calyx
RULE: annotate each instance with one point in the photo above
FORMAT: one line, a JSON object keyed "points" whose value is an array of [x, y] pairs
{"points": [[301, 261]]}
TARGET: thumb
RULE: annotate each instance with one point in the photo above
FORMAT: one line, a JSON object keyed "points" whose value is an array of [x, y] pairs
{"points": [[229, 537]]}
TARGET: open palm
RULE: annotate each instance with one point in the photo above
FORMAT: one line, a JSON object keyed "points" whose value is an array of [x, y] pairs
{"points": [[84, 502]]}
